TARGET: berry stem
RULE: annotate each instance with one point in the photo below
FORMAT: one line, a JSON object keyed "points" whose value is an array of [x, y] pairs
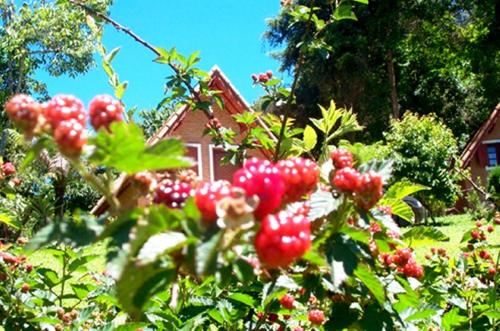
{"points": [[97, 183]]}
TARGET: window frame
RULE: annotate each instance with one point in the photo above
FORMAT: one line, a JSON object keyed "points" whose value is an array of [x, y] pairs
{"points": [[199, 157], [211, 148]]}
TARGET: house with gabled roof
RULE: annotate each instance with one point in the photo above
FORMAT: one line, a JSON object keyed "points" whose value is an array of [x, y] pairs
{"points": [[482, 152], [189, 126]]}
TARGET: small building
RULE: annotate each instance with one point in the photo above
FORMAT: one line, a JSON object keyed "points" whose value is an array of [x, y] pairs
{"points": [[189, 126], [482, 153]]}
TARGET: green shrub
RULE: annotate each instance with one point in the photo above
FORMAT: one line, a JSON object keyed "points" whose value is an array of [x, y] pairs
{"points": [[494, 181], [424, 150]]}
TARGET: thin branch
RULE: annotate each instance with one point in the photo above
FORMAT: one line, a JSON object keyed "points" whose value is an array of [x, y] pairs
{"points": [[129, 32]]}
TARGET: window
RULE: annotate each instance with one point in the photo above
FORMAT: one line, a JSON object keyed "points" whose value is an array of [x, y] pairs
{"points": [[194, 152], [217, 169], [492, 155]]}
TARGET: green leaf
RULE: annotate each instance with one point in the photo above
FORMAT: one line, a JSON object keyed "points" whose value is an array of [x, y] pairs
{"points": [[138, 283], [492, 314], [322, 204], [399, 208], [341, 259], [344, 12], [111, 55], [81, 290], [424, 232], [373, 284], [244, 298], [310, 138], [400, 190], [120, 89], [160, 244], [49, 276], [362, 1], [125, 149], [80, 262], [5, 219], [452, 320], [206, 254], [381, 167]]}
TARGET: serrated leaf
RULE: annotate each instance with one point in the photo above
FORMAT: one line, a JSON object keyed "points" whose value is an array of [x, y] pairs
{"points": [[381, 167], [310, 138], [206, 254], [344, 12], [322, 204], [341, 259], [424, 232], [399, 208], [79, 262], [125, 149], [81, 290], [49, 276], [400, 190], [244, 298], [373, 284], [161, 244]]}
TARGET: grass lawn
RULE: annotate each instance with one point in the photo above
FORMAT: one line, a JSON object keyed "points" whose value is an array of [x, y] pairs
{"points": [[453, 226]]}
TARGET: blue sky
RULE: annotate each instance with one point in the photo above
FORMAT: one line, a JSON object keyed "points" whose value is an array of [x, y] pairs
{"points": [[226, 32]]}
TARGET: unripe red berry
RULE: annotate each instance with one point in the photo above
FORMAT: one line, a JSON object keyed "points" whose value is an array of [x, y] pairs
{"points": [[104, 110], [375, 227], [269, 74], [484, 255], [28, 268], [299, 175], [342, 158], [387, 210], [433, 250], [263, 78], [60, 312], [208, 194], [287, 301], [316, 316], [347, 180], [479, 224], [25, 288], [490, 228], [24, 112], [441, 251], [173, 194], [492, 271], [261, 178], [8, 169], [282, 239], [475, 234], [255, 77], [70, 137], [412, 269], [63, 108]]}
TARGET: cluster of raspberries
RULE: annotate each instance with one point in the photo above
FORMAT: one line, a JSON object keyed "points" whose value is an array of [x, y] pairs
{"points": [[403, 262], [64, 117], [263, 77], [364, 188], [282, 237]]}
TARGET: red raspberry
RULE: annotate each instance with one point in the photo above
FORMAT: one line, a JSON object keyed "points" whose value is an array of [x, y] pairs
{"points": [[490, 228], [23, 111], [484, 255], [173, 194], [475, 235], [25, 288], [269, 74], [402, 256], [369, 191], [208, 194], [375, 227], [282, 239], [272, 317], [347, 180], [9, 258], [63, 108], [300, 177], [104, 110], [342, 158], [479, 224], [263, 78], [261, 178], [412, 269], [287, 301], [8, 169], [492, 271], [316, 316], [70, 137], [28, 268], [301, 208]]}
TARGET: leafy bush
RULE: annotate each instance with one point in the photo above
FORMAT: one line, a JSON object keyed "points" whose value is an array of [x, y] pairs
{"points": [[494, 181], [424, 151]]}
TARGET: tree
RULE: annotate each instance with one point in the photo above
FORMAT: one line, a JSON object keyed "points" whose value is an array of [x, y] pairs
{"points": [[425, 152], [423, 56]]}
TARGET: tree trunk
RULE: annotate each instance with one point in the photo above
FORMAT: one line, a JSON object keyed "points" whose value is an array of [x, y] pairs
{"points": [[392, 81]]}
